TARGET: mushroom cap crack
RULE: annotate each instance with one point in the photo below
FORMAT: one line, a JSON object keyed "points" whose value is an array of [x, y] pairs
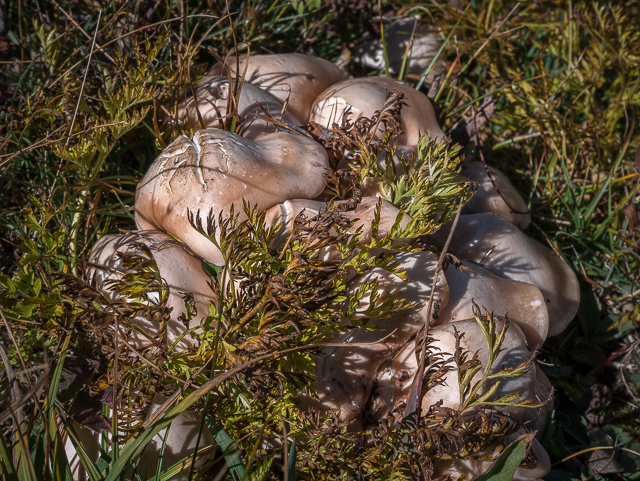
{"points": [[217, 170]]}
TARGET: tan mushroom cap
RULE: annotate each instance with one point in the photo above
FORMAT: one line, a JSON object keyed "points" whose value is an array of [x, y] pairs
{"points": [[472, 468], [424, 47], [293, 77], [180, 443], [502, 248], [214, 90], [181, 271], [346, 375], [510, 205], [218, 170], [363, 215], [537, 419], [523, 303], [514, 352], [364, 96]]}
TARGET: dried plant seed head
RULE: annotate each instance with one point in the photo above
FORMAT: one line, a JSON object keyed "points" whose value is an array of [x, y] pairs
{"points": [[501, 247], [521, 302], [181, 273], [212, 95], [293, 78], [215, 172], [499, 197], [362, 97]]}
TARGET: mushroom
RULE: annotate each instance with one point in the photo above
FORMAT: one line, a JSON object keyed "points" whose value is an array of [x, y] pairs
{"points": [[514, 352], [181, 271], [363, 215], [537, 420], [523, 303], [180, 443], [472, 468], [346, 375], [501, 199], [217, 170], [364, 96], [294, 79], [398, 36], [211, 98], [501, 247]]}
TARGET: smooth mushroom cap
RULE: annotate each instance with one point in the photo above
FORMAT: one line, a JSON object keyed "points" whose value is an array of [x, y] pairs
{"points": [[214, 90], [523, 303], [180, 443], [181, 271], [510, 205], [472, 468], [364, 96], [346, 375], [502, 248], [424, 47], [292, 78], [537, 419], [363, 215], [514, 352], [216, 171], [393, 382]]}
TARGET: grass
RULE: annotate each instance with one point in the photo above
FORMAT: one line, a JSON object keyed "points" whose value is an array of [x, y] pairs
{"points": [[82, 120]]}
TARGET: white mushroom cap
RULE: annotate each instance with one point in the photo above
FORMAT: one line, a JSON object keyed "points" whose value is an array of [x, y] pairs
{"points": [[514, 352], [472, 468], [502, 248], [523, 303], [537, 419], [363, 215], [181, 272], [293, 77], [488, 199], [397, 37], [346, 375], [215, 90], [180, 443], [219, 169], [364, 96]]}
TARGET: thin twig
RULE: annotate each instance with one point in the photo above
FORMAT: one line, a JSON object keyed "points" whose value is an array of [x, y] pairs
{"points": [[84, 79], [416, 389]]}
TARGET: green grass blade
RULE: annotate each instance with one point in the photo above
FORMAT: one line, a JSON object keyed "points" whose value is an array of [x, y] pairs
{"points": [[505, 466], [228, 445]]}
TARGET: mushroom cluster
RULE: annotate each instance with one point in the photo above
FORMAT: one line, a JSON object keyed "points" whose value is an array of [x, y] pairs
{"points": [[532, 293]]}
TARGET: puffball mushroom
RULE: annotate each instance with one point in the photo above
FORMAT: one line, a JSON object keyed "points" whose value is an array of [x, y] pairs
{"points": [[362, 97], [217, 170], [293, 78], [501, 247], [501, 199], [211, 98], [181, 271]]}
